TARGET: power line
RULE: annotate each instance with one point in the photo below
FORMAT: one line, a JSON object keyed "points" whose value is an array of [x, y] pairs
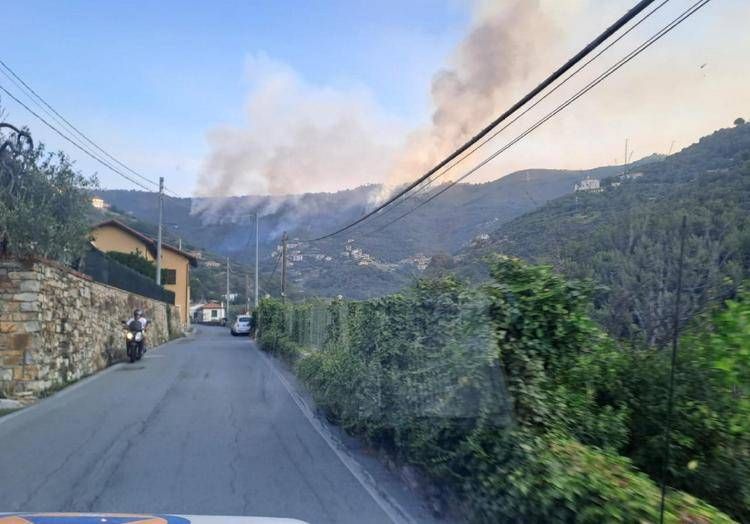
{"points": [[653, 39], [590, 86], [50, 111], [20, 87], [267, 281], [622, 21], [430, 182], [67, 122], [76, 144]]}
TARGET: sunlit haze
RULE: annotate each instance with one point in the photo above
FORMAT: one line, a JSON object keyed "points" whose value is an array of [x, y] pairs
{"points": [[247, 100]]}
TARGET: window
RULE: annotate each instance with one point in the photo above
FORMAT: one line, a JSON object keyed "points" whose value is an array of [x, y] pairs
{"points": [[169, 276]]}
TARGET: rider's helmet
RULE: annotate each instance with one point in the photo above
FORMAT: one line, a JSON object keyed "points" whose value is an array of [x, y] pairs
{"points": [[137, 314]]}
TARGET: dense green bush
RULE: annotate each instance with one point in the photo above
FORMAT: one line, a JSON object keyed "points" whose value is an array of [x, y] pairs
{"points": [[524, 477], [506, 395], [711, 425], [137, 261], [272, 333]]}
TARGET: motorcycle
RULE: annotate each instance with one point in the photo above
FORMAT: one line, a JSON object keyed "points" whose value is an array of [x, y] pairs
{"points": [[134, 340]]}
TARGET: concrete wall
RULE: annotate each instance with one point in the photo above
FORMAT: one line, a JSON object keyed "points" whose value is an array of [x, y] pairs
{"points": [[57, 325]]}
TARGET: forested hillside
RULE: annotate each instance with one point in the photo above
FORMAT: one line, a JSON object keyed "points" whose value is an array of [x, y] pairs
{"points": [[626, 238], [224, 226]]}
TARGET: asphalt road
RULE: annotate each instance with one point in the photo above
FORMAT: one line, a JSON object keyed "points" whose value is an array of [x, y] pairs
{"points": [[202, 425]]}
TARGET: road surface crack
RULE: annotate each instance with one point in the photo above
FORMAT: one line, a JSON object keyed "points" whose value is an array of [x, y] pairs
{"points": [[234, 463], [23, 505], [142, 427]]}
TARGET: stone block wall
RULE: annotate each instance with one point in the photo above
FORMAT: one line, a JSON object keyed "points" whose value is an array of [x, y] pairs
{"points": [[57, 325]]}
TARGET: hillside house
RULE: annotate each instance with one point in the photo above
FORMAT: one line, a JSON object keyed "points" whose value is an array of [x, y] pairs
{"points": [[99, 203], [588, 184], [113, 235], [210, 313]]}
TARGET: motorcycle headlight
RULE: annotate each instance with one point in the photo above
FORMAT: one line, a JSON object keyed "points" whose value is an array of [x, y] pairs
{"points": [[129, 335]]}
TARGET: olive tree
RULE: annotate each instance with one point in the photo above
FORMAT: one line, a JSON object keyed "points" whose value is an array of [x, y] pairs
{"points": [[44, 201]]}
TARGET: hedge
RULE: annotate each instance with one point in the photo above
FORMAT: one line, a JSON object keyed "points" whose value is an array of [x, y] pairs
{"points": [[498, 393]]}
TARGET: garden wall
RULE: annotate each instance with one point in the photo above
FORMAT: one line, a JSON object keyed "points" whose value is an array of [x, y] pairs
{"points": [[57, 325]]}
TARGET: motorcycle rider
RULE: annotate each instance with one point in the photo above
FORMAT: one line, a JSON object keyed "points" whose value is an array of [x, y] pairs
{"points": [[138, 316]]}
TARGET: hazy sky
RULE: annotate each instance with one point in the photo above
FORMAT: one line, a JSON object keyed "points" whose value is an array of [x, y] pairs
{"points": [[241, 97]]}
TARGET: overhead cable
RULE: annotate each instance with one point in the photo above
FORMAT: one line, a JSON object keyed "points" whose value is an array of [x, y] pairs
{"points": [[76, 144], [429, 183], [578, 57], [642, 47], [63, 122]]}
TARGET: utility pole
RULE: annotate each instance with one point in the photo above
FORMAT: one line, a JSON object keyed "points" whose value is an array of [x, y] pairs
{"points": [[257, 243], [179, 243], [672, 368], [226, 312], [625, 160], [247, 293], [158, 240], [283, 266]]}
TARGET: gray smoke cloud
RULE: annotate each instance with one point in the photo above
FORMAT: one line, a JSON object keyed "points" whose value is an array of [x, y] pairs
{"points": [[301, 138], [501, 52], [298, 138]]}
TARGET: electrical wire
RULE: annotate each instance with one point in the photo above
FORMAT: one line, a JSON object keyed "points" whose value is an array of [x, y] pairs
{"points": [[53, 114], [621, 22], [66, 137], [645, 45], [61, 120], [267, 281], [423, 189]]}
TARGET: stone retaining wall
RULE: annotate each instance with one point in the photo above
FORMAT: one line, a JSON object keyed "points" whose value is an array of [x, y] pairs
{"points": [[57, 325]]}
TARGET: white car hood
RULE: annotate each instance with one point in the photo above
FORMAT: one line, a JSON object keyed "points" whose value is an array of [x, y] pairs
{"points": [[127, 518]]}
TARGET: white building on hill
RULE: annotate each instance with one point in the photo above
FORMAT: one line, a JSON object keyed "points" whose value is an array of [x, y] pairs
{"points": [[588, 184]]}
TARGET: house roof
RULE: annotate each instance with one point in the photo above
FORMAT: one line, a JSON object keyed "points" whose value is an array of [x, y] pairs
{"points": [[211, 305], [147, 240]]}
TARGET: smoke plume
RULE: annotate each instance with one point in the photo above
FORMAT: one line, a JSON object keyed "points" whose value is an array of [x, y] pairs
{"points": [[301, 138], [298, 138], [494, 59]]}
